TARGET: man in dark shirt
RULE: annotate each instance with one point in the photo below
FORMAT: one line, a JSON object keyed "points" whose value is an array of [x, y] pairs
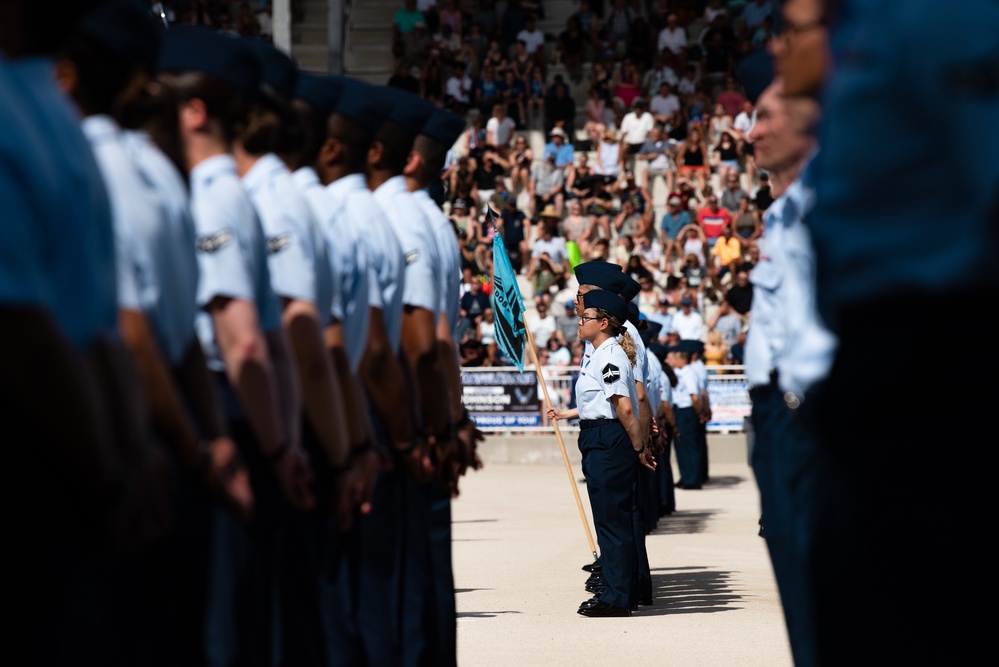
{"points": [[474, 302], [560, 108], [512, 231], [403, 77], [764, 195], [740, 294]]}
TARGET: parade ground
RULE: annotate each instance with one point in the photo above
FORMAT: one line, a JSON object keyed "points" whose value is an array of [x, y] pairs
{"points": [[519, 544]]}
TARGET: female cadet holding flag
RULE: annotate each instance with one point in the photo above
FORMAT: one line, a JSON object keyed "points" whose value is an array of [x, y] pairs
{"points": [[611, 443]]}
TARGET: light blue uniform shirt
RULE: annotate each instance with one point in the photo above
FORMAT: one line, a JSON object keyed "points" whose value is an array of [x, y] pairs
{"points": [[785, 332], [386, 263], [171, 246], [655, 377], [296, 251], [347, 257], [450, 257], [810, 345], [62, 201], [418, 243], [605, 373], [907, 176], [232, 250], [686, 385], [641, 367]]}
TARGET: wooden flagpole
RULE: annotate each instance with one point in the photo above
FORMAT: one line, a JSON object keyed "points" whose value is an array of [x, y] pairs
{"points": [[558, 436]]}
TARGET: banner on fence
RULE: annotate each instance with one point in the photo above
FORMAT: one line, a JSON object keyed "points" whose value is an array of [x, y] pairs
{"points": [[502, 398]]}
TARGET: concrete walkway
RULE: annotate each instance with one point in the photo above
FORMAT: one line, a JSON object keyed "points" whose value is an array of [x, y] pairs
{"points": [[519, 544]]}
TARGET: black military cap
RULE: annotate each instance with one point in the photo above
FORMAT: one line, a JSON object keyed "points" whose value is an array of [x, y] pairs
{"points": [[755, 71], [607, 301], [651, 333], [444, 126], [277, 69], [317, 90], [407, 110], [360, 102], [600, 273], [127, 29], [630, 289], [190, 48]]}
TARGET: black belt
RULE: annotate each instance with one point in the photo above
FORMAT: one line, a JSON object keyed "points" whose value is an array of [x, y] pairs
{"points": [[758, 388], [593, 423]]}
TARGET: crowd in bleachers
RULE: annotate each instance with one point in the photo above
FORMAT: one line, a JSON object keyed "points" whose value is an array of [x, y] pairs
{"points": [[653, 171]]}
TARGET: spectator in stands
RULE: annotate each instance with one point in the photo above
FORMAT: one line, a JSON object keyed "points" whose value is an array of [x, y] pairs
{"points": [[664, 103], [558, 350], [568, 322], [674, 219], [403, 77], [496, 58], [718, 60], [740, 294], [546, 187], [500, 196], [571, 48], [537, 97], [618, 20], [578, 231], [655, 160], [716, 352], [521, 160], [542, 324], [579, 180], [457, 91], [718, 122], [549, 264], [727, 157], [589, 20], [752, 16], [752, 256], [630, 222], [474, 303], [499, 130], [626, 86], [487, 170], [692, 157], [728, 322], [464, 185], [673, 37], [662, 315], [561, 148], [635, 128], [641, 45], [694, 271], [432, 76], [746, 222], [560, 108], [743, 120], [610, 160], [649, 295], [512, 226], [687, 321], [732, 192], [522, 62], [475, 138], [600, 207], [726, 254], [764, 195], [731, 98], [513, 94], [694, 242], [713, 218], [595, 111], [534, 42], [486, 91]]}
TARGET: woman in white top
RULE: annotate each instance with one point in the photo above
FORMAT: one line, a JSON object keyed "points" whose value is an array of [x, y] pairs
{"points": [[609, 157]]}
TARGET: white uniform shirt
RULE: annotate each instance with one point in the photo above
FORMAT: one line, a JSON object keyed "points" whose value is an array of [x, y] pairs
{"points": [[232, 250], [55, 182], [172, 246], [686, 385], [605, 373], [296, 251], [449, 253], [418, 242], [348, 261], [386, 263]]}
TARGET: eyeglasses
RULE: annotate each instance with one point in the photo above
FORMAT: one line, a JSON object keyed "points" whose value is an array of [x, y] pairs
{"points": [[787, 28], [584, 318]]}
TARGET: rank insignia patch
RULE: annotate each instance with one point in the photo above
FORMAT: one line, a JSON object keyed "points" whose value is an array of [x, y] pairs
{"points": [[214, 242], [611, 374], [276, 244]]}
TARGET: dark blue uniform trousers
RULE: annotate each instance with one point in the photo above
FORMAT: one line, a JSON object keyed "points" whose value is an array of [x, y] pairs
{"points": [[611, 470], [783, 463], [688, 452]]}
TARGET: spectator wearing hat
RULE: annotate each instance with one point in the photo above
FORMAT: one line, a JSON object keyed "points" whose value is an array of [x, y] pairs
{"points": [[568, 322], [546, 187], [562, 148], [635, 128], [687, 320], [663, 317], [673, 221]]}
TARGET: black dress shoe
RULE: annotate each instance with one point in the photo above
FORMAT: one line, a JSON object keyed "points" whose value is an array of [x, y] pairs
{"points": [[589, 603], [593, 567], [596, 589], [595, 578], [601, 609], [679, 485], [645, 602]]}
